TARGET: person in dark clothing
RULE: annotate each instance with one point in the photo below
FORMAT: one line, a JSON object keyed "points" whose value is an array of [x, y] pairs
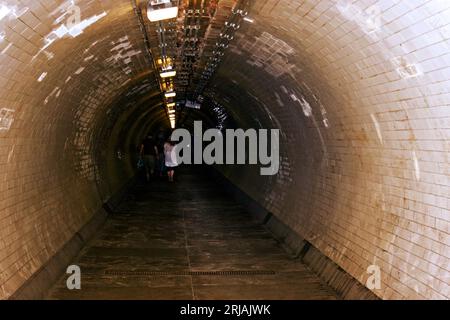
{"points": [[149, 153], [160, 165]]}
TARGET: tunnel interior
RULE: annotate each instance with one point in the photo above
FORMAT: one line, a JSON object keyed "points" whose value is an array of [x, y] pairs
{"points": [[358, 89]]}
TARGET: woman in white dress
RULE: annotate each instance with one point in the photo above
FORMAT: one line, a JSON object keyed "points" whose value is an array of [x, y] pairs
{"points": [[170, 158]]}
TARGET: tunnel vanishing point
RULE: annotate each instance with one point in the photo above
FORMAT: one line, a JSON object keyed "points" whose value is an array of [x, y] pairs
{"points": [[359, 91]]}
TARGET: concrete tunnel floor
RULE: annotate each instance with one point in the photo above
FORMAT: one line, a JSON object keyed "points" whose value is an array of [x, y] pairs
{"points": [[188, 240]]}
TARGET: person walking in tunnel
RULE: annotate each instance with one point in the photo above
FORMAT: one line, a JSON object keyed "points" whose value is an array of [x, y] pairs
{"points": [[170, 158], [160, 165], [149, 153]]}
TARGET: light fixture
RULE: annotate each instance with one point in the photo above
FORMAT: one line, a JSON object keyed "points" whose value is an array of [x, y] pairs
{"points": [[171, 105], [171, 94], [164, 62], [168, 74], [158, 10], [167, 85]]}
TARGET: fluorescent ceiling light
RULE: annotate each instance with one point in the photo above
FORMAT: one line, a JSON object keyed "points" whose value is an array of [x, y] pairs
{"points": [[161, 10], [171, 105], [170, 94], [168, 74]]}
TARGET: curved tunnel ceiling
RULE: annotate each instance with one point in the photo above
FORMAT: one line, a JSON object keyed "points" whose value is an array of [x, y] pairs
{"points": [[359, 90]]}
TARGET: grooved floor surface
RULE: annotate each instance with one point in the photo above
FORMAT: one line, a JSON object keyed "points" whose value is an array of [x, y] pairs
{"points": [[187, 240]]}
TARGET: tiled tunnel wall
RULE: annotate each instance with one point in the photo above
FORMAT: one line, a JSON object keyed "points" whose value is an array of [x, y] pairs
{"points": [[65, 95], [360, 90], [361, 93]]}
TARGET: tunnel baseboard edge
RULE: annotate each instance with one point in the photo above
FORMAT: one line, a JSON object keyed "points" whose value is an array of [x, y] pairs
{"points": [[343, 283], [37, 287], [346, 286]]}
